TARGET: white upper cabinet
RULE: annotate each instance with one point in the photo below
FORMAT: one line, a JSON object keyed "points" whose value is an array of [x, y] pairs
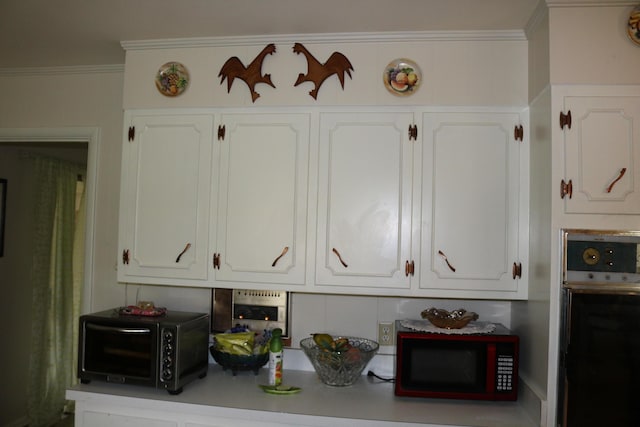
{"points": [[601, 153], [474, 176], [364, 200], [165, 190], [262, 205]]}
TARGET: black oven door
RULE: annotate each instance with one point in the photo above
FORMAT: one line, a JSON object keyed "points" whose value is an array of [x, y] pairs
{"points": [[601, 375], [118, 353]]}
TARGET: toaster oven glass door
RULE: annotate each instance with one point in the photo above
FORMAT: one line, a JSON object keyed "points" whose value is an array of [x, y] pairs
{"points": [[118, 350]]}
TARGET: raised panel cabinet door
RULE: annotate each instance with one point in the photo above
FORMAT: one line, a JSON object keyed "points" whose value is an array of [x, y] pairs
{"points": [[471, 190], [261, 235], [364, 200], [602, 154], [165, 190]]}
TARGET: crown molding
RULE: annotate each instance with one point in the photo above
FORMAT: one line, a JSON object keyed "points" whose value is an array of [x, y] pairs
{"points": [[62, 70], [333, 38], [590, 3]]}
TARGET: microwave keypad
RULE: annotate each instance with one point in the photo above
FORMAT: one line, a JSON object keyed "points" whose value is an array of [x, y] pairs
{"points": [[504, 373]]}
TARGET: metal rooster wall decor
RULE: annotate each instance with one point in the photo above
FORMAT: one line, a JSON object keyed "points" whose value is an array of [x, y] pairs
{"points": [[317, 73], [234, 68]]}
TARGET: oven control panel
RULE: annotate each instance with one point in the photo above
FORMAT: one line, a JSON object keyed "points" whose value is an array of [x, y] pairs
{"points": [[597, 257]]}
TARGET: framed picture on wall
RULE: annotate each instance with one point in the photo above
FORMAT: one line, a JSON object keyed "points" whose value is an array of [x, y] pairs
{"points": [[3, 211]]}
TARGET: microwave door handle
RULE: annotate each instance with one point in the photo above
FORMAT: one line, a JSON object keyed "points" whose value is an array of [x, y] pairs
{"points": [[119, 330]]}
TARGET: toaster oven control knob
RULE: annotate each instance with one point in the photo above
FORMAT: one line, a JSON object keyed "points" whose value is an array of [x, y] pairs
{"points": [[167, 374], [168, 336], [168, 349], [167, 362]]}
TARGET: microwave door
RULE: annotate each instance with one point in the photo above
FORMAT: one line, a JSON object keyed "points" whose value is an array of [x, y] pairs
{"points": [[120, 353]]}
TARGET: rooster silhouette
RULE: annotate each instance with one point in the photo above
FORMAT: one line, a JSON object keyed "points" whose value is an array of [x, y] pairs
{"points": [[251, 75], [317, 73]]}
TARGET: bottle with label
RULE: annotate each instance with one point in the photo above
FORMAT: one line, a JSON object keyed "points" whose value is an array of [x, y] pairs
{"points": [[275, 357]]}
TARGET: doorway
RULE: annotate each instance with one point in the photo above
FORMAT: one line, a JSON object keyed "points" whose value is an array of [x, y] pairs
{"points": [[84, 143]]}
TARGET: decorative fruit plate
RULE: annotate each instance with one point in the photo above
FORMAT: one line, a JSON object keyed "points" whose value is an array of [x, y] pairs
{"points": [[633, 28], [402, 77], [172, 79]]}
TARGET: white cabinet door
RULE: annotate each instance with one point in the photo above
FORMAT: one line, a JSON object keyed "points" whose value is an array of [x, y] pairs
{"points": [[262, 207], [164, 212], [471, 194], [602, 154], [364, 200]]}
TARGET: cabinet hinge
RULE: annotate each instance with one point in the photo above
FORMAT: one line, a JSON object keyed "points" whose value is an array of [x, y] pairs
{"points": [[413, 132], [216, 261], [221, 132], [565, 119], [409, 268], [518, 133], [125, 256], [517, 270], [132, 133], [566, 188]]}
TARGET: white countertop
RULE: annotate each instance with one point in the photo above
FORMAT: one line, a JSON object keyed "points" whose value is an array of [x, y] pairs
{"points": [[368, 402]]}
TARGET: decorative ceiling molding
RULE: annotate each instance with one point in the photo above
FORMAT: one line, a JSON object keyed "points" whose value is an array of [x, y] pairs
{"points": [[517, 35], [590, 3], [63, 70]]}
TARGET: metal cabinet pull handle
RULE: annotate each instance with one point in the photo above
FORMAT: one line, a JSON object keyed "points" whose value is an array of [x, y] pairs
{"points": [[284, 251], [451, 267], [622, 172], [186, 248], [335, 251]]}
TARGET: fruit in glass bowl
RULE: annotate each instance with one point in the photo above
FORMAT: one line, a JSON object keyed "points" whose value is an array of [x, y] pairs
{"points": [[338, 361]]}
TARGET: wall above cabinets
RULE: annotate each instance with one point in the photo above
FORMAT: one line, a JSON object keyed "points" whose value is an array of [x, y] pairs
{"points": [[472, 68]]}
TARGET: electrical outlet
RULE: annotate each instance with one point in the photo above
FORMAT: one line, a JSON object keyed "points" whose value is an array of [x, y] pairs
{"points": [[386, 334]]}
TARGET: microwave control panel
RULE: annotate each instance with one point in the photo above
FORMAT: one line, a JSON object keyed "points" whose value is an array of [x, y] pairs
{"points": [[504, 373]]}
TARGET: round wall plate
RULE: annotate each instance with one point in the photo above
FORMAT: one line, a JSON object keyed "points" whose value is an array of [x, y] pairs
{"points": [[172, 79], [402, 77], [633, 27]]}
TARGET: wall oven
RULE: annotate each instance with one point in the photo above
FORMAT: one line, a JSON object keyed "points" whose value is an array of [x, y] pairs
{"points": [[599, 372]]}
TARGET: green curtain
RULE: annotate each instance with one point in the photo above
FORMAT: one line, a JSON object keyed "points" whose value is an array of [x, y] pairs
{"points": [[56, 298]]}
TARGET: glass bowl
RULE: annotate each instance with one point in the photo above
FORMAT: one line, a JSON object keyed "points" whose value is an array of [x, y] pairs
{"points": [[340, 368]]}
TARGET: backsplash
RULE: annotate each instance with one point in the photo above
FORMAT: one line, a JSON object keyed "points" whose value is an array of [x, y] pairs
{"points": [[333, 314]]}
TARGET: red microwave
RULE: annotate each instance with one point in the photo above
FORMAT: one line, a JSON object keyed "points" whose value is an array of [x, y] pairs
{"points": [[457, 366]]}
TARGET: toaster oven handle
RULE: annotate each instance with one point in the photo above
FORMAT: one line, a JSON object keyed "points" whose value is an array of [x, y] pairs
{"points": [[118, 329]]}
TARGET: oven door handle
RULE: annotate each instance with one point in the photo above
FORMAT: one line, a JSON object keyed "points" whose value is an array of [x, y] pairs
{"points": [[118, 330]]}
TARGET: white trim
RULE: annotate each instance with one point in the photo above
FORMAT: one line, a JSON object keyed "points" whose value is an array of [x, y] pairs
{"points": [[90, 135], [414, 36], [62, 70], [590, 3]]}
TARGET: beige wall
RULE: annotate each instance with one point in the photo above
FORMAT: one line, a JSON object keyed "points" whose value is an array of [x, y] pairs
{"points": [[53, 100], [590, 45]]}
